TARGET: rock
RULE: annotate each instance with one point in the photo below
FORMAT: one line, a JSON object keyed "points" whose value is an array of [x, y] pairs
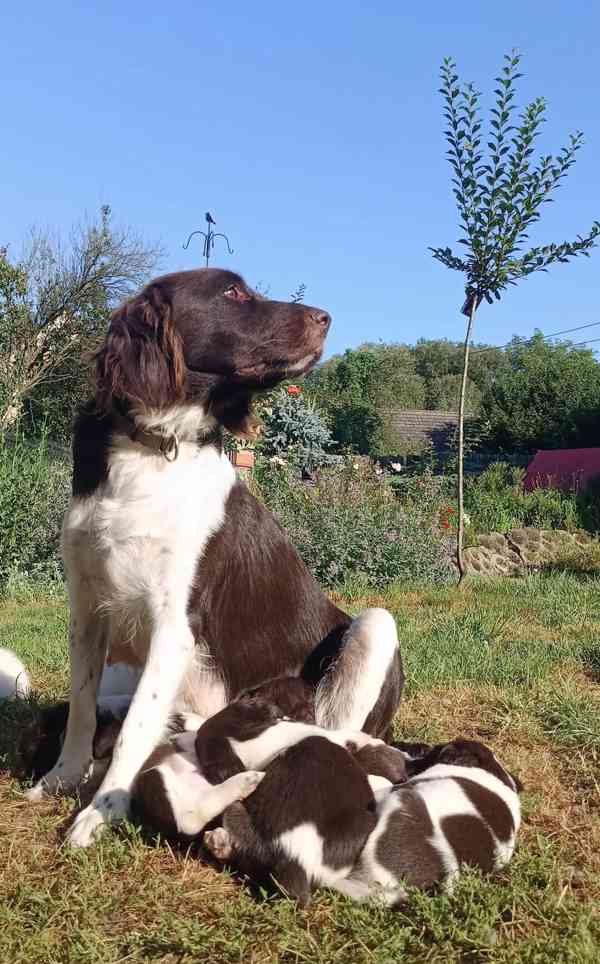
{"points": [[479, 560]]}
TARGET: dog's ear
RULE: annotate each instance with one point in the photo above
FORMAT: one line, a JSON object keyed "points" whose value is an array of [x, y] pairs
{"points": [[141, 361]]}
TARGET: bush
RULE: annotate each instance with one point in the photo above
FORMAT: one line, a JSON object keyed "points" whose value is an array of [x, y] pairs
{"points": [[34, 492], [351, 527], [497, 502], [294, 430], [588, 505]]}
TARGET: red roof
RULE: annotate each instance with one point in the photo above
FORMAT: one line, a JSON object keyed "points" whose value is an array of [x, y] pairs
{"points": [[562, 469]]}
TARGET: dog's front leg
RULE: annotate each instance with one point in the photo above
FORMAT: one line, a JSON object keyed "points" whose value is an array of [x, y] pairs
{"points": [[87, 647], [171, 648]]}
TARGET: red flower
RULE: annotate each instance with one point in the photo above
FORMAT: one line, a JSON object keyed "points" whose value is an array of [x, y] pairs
{"points": [[294, 390], [445, 524]]}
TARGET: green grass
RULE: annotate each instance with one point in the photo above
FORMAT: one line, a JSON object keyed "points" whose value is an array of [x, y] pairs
{"points": [[514, 663]]}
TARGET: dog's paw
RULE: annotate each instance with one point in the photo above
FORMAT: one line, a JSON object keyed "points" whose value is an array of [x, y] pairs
{"points": [[106, 807], [218, 842], [86, 828], [58, 781], [37, 793], [249, 781]]}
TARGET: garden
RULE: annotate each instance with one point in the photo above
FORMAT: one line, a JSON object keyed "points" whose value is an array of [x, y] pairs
{"points": [[513, 661]]}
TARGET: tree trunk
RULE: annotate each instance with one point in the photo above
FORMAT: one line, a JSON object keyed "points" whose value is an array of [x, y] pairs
{"points": [[461, 442]]}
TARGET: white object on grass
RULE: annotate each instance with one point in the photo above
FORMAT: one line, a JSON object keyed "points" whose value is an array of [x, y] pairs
{"points": [[14, 678]]}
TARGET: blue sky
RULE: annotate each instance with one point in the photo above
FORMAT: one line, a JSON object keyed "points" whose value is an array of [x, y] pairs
{"points": [[312, 131]]}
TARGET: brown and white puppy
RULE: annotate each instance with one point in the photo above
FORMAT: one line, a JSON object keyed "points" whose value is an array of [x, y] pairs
{"points": [[171, 562], [460, 809], [305, 825], [191, 779]]}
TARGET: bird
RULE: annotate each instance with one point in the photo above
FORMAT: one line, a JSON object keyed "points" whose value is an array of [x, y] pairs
{"points": [[209, 218]]}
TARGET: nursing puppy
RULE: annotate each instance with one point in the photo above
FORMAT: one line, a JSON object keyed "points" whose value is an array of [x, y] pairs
{"points": [[306, 823], [460, 808], [193, 778], [40, 741]]}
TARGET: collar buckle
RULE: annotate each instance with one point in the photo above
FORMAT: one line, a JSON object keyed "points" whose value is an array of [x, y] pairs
{"points": [[169, 447]]}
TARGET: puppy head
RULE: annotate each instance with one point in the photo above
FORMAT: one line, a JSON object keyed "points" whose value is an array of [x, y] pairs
{"points": [[382, 761], [293, 697], [469, 753], [39, 743], [252, 713]]}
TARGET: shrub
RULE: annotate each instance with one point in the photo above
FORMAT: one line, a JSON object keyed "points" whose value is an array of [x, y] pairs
{"points": [[294, 430], [496, 502], [34, 492], [588, 505], [351, 527]]}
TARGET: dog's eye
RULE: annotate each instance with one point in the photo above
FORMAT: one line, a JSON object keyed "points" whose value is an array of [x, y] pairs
{"points": [[237, 293]]}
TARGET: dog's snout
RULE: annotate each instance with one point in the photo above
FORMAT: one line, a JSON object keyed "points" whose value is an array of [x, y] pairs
{"points": [[320, 318]]}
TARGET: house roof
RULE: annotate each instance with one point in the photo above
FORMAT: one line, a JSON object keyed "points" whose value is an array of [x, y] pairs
{"points": [[562, 469], [423, 427]]}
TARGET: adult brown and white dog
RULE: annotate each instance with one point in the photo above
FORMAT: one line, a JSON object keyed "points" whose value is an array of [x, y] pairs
{"points": [[171, 563]]}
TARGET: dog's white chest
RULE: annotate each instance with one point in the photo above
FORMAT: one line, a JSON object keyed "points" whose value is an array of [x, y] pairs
{"points": [[147, 525]]}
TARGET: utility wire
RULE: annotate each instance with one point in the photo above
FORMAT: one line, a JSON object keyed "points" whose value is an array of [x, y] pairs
{"points": [[555, 334]]}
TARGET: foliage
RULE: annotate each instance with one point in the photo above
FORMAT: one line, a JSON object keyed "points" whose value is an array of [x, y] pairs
{"points": [[294, 429], [546, 396], [440, 360], [362, 388], [499, 198], [444, 392], [588, 506], [34, 492], [55, 303], [349, 526], [497, 502]]}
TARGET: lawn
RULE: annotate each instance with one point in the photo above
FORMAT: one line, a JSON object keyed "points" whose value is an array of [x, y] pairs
{"points": [[516, 664]]}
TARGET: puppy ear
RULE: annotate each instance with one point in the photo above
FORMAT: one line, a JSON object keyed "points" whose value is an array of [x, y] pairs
{"points": [[141, 361], [291, 878], [518, 783]]}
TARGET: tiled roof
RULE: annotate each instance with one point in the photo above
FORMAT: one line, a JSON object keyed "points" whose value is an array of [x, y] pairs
{"points": [[426, 428]]}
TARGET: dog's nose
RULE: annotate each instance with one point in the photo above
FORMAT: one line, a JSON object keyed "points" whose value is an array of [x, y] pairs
{"points": [[320, 318]]}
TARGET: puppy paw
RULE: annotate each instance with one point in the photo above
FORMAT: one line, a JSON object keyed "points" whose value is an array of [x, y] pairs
{"points": [[249, 782], [219, 843]]}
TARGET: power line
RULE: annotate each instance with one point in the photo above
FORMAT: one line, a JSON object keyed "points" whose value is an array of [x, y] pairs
{"points": [[555, 334], [590, 341]]}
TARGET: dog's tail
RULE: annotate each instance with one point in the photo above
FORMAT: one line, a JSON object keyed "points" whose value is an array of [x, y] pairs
{"points": [[14, 678]]}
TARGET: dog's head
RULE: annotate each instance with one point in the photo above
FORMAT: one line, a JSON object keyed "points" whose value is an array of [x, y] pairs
{"points": [[467, 753], [205, 337]]}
